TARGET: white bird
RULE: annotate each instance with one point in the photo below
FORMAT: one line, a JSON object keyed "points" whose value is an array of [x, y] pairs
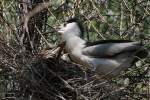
{"points": [[107, 58]]}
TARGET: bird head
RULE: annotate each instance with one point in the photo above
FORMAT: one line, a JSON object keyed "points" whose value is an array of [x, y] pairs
{"points": [[71, 27]]}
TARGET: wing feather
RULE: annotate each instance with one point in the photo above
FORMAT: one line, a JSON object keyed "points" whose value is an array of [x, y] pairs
{"points": [[110, 49]]}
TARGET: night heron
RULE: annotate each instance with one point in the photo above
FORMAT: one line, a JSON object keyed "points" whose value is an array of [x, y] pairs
{"points": [[106, 57]]}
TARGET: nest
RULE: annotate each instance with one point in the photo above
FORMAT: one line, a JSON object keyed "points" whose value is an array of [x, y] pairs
{"points": [[47, 77]]}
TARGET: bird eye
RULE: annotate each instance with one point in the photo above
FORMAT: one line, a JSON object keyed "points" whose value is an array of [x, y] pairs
{"points": [[64, 24]]}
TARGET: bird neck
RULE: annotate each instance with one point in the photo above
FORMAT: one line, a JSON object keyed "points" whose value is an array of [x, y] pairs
{"points": [[73, 42]]}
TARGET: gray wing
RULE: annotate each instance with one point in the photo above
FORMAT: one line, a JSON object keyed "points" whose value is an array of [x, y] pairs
{"points": [[110, 49]]}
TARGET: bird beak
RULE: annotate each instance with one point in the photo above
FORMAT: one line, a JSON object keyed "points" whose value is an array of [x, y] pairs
{"points": [[59, 29]]}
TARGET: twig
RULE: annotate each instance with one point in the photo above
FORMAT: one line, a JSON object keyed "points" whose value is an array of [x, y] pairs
{"points": [[49, 44]]}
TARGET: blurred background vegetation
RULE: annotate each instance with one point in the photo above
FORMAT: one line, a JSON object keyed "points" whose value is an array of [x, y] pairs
{"points": [[27, 27]]}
